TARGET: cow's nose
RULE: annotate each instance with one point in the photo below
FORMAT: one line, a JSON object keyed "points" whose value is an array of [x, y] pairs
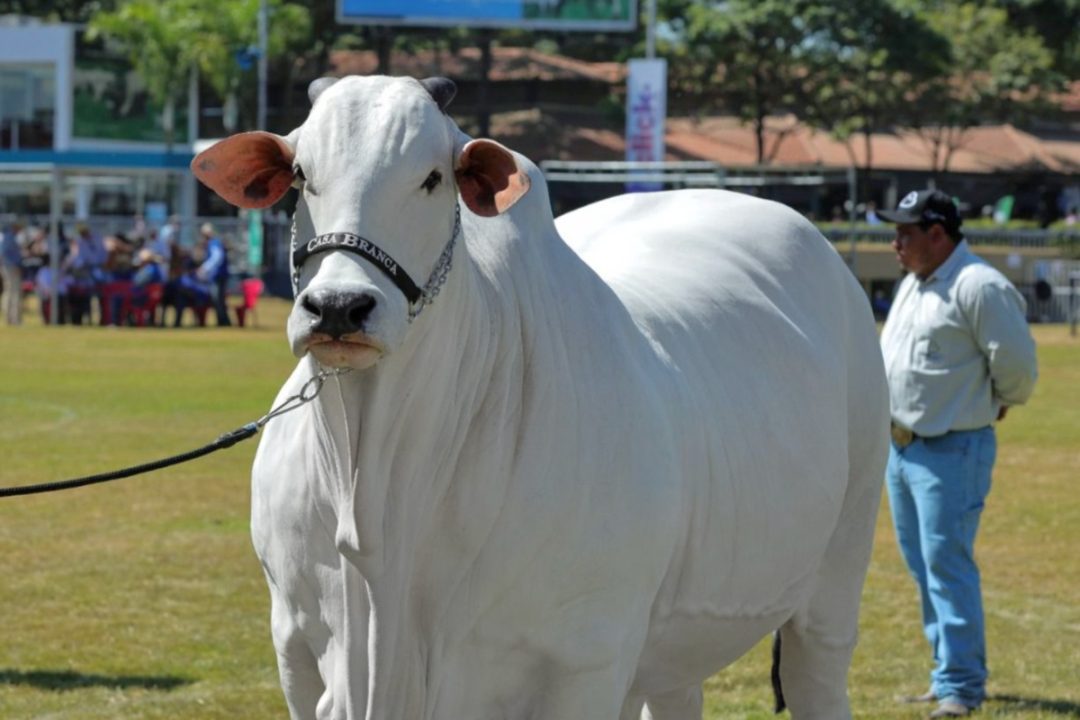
{"points": [[337, 313]]}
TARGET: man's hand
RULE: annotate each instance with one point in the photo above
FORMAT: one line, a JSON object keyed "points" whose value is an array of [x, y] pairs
{"points": [[1001, 413]]}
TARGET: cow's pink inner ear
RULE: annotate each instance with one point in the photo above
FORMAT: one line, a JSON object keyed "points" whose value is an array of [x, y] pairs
{"points": [[489, 178], [477, 193], [249, 170]]}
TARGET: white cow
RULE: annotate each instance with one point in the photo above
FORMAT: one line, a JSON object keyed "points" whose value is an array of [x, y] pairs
{"points": [[587, 476]]}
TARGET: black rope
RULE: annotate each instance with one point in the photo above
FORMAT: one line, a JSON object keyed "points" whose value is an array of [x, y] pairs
{"points": [[227, 440], [307, 393]]}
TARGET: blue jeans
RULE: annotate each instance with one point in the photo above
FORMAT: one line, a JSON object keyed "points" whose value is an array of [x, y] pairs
{"points": [[937, 487]]}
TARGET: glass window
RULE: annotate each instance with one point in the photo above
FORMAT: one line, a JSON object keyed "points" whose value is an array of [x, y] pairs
{"points": [[27, 106]]}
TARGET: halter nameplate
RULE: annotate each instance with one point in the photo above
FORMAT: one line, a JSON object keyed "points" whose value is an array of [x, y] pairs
{"points": [[365, 249]]}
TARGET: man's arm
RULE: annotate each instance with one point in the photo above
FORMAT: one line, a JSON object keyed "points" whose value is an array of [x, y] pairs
{"points": [[1002, 333], [215, 255]]}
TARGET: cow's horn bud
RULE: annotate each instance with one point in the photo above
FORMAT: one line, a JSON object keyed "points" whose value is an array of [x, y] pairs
{"points": [[317, 86], [441, 89]]}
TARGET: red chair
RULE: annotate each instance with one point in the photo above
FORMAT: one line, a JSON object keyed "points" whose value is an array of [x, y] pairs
{"points": [[144, 308], [250, 290]]}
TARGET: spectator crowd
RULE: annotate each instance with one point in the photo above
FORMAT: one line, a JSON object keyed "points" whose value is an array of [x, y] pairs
{"points": [[122, 278]]}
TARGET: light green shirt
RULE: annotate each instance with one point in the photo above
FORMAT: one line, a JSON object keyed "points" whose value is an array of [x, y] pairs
{"points": [[957, 347]]}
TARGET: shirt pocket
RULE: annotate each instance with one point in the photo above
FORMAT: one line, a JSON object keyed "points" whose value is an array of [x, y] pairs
{"points": [[928, 354]]}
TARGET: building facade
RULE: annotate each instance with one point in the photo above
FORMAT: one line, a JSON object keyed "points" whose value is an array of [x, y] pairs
{"points": [[79, 136]]}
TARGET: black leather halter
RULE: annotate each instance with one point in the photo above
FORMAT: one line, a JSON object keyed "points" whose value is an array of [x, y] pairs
{"points": [[418, 298], [365, 249]]}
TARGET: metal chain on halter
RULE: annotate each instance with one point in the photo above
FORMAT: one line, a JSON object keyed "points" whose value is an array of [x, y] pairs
{"points": [[292, 249], [308, 392], [440, 272]]}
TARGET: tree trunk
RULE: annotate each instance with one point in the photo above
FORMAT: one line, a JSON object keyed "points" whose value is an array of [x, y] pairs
{"points": [[864, 184], [759, 135], [955, 142], [760, 111]]}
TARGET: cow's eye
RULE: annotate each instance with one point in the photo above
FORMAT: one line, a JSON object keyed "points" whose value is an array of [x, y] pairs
{"points": [[432, 180]]}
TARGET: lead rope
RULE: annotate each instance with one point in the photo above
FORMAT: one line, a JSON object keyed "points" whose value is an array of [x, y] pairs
{"points": [[308, 392]]}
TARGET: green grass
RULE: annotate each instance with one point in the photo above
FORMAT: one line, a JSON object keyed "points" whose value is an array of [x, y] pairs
{"points": [[143, 598]]}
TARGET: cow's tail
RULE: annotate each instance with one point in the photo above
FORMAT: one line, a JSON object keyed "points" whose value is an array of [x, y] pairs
{"points": [[777, 686]]}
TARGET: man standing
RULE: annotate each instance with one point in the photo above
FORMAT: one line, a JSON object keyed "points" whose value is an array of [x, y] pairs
{"points": [[958, 353], [161, 244], [215, 271], [11, 275], [85, 264]]}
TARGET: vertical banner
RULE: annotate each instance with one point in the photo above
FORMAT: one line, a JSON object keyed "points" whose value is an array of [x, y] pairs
{"points": [[646, 111], [255, 242]]}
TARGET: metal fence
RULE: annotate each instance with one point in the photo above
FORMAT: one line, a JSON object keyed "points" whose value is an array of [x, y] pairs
{"points": [[1068, 241], [1053, 291]]}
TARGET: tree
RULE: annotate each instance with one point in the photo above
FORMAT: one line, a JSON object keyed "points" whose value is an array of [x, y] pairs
{"points": [[165, 41], [1055, 22], [156, 36], [69, 11], [748, 57], [228, 32], [997, 73], [867, 56]]}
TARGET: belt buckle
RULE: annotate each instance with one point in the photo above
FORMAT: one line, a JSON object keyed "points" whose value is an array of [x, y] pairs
{"points": [[902, 436]]}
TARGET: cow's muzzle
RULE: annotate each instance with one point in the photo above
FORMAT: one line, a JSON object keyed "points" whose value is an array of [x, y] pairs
{"points": [[337, 314]]}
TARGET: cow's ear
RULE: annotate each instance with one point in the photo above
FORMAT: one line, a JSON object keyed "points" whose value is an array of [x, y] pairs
{"points": [[489, 178], [249, 170]]}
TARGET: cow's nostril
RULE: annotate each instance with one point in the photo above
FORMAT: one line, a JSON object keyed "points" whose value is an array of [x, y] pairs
{"points": [[359, 310], [311, 307]]}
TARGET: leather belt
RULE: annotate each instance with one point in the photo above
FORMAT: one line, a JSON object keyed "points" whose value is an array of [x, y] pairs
{"points": [[902, 436]]}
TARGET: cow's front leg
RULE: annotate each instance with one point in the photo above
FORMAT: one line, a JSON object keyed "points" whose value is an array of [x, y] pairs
{"points": [[297, 667]]}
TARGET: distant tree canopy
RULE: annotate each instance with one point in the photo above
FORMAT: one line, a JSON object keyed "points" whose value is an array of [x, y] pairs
{"points": [[1055, 22], [996, 72], [866, 66], [166, 41], [69, 11], [155, 37]]}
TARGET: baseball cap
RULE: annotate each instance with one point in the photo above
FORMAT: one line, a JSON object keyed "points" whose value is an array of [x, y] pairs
{"points": [[924, 206]]}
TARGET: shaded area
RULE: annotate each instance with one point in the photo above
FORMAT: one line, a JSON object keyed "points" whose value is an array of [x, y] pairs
{"points": [[63, 680], [1065, 708]]}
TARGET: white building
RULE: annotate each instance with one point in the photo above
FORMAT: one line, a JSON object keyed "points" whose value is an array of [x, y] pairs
{"points": [[78, 136]]}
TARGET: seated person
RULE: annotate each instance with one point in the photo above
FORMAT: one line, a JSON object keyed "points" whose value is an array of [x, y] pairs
{"points": [[147, 270], [190, 291]]}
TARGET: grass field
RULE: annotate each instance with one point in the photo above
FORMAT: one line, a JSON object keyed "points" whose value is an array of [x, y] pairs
{"points": [[143, 598]]}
